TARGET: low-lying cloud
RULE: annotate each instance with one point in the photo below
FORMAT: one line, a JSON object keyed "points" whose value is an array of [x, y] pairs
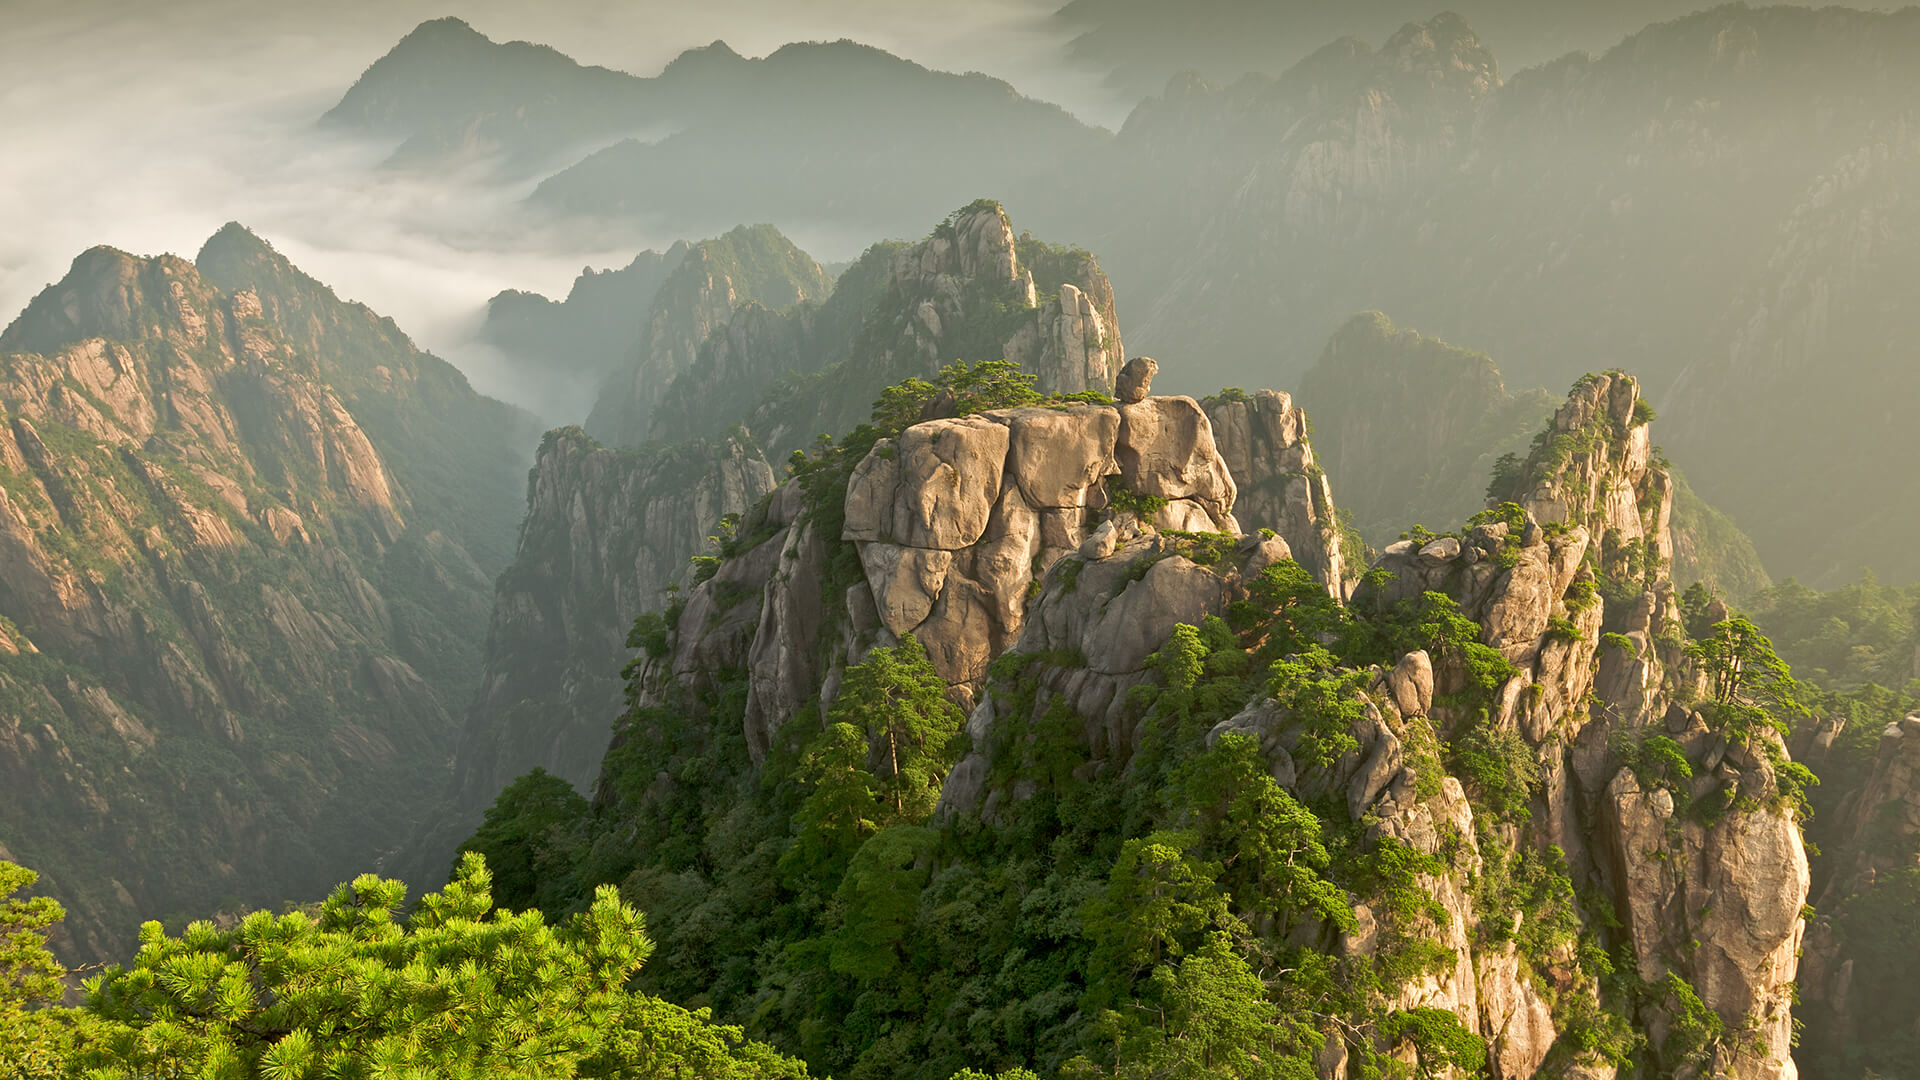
{"points": [[146, 127]]}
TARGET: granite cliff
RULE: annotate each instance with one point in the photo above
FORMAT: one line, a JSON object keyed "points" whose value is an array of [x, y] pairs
{"points": [[609, 533], [1549, 848]]}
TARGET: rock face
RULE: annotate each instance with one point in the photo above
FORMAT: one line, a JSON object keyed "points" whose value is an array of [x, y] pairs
{"points": [[1011, 543], [971, 292], [1734, 886], [606, 533], [1263, 440], [956, 519], [954, 524], [696, 298], [982, 501], [1716, 904], [246, 532]]}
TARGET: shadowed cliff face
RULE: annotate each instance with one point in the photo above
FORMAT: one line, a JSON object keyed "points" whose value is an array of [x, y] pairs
{"points": [[248, 531]]}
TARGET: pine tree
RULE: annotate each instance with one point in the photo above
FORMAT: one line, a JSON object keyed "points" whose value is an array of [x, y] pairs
{"points": [[901, 702], [33, 1037], [354, 991]]}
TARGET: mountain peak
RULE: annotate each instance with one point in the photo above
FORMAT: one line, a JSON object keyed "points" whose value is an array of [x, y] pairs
{"points": [[1444, 49], [234, 240], [441, 33], [105, 293]]}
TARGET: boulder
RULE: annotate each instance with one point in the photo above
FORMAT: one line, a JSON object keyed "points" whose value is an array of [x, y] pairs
{"points": [[1411, 684], [1136, 380]]}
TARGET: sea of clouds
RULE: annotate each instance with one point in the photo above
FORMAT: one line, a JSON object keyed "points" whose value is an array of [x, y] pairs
{"points": [[147, 126]]}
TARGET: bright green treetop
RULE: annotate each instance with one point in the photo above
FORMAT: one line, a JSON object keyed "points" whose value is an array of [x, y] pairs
{"points": [[353, 990]]}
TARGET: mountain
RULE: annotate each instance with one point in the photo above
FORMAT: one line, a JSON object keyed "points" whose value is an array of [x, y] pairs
{"points": [[961, 757], [827, 135], [1413, 428], [609, 533], [699, 294], [832, 135], [1711, 197], [564, 350], [250, 533], [450, 94], [1141, 45]]}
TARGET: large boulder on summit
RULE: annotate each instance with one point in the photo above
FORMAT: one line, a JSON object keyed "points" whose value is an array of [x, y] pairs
{"points": [[1136, 380], [1058, 457]]}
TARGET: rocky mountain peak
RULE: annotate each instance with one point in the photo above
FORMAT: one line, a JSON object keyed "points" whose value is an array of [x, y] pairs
{"points": [[1594, 467], [1059, 321], [1443, 51], [107, 293], [696, 298]]}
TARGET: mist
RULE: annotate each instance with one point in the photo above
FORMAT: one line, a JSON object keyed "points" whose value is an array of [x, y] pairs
{"points": [[147, 127]]}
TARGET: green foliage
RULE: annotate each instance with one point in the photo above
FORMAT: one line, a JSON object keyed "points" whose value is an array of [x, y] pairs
{"points": [[1559, 629], [1204, 549], [1323, 698], [1124, 500], [1750, 689], [1582, 594], [1696, 1029], [877, 901], [1626, 569], [842, 807], [1498, 768], [1508, 480], [34, 1039], [1661, 762], [352, 990], [1442, 1042], [525, 828], [1280, 861], [1846, 638], [989, 384], [901, 703]]}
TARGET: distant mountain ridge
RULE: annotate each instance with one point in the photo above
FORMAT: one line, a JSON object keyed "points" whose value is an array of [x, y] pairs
{"points": [[1713, 194], [450, 92], [869, 140]]}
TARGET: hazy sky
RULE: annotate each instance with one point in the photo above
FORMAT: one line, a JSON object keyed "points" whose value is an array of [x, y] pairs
{"points": [[147, 125]]}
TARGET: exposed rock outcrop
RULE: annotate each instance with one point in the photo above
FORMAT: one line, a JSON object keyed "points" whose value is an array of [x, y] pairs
{"points": [[696, 298], [1264, 442], [608, 531], [972, 292]]}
